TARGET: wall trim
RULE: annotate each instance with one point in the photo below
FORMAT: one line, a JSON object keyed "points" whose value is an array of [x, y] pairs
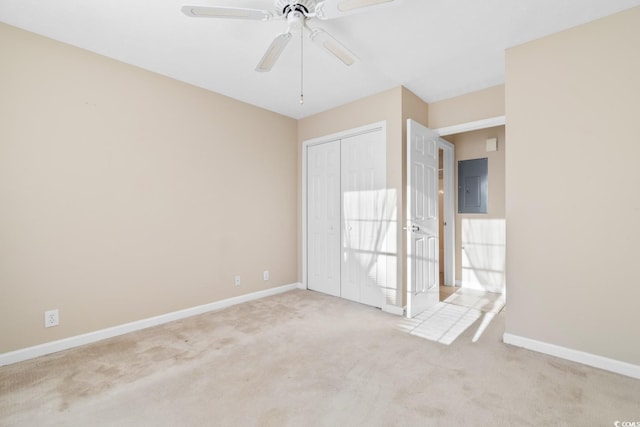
{"points": [[469, 126], [449, 209], [102, 334], [393, 309], [601, 362]]}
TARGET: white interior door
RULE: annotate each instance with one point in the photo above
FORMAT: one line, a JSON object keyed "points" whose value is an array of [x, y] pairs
{"points": [[365, 222], [423, 267], [323, 216]]}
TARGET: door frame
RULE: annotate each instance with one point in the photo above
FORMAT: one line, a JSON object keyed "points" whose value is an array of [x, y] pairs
{"points": [[448, 211], [469, 126], [450, 188], [373, 127]]}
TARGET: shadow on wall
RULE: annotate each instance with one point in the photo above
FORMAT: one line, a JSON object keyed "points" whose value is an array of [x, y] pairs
{"points": [[483, 254], [370, 242]]}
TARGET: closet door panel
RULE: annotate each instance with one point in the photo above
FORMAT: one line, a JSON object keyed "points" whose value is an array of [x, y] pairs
{"points": [[323, 217], [365, 224]]}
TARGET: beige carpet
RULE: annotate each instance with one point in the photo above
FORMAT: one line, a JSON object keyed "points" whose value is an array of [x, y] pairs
{"points": [[307, 359]]}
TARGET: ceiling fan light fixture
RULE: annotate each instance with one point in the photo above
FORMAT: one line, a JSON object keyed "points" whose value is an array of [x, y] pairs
{"points": [[348, 5]]}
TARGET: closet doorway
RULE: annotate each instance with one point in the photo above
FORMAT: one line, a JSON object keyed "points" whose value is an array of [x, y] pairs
{"points": [[349, 224]]}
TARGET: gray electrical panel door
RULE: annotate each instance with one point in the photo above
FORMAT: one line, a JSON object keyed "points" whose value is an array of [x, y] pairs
{"points": [[472, 186]]}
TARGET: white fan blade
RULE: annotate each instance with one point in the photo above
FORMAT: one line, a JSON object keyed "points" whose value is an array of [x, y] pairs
{"points": [[273, 53], [226, 12], [331, 45], [329, 9]]}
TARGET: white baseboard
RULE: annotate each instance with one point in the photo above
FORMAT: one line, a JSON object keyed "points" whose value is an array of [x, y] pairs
{"points": [[393, 309], [479, 287], [78, 340], [612, 365]]}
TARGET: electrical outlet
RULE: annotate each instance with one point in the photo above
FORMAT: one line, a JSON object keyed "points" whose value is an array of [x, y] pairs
{"points": [[237, 280], [51, 318], [265, 275]]}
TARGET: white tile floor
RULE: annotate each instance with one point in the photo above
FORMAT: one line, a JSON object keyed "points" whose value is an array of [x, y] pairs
{"points": [[483, 301], [447, 320]]}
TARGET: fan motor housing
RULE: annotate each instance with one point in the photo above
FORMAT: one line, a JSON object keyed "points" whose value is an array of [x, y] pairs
{"points": [[284, 7]]}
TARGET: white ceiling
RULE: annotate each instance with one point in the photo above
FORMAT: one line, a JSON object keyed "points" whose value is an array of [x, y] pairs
{"points": [[436, 48]]}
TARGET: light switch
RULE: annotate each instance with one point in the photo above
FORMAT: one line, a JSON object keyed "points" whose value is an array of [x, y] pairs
{"points": [[492, 144]]}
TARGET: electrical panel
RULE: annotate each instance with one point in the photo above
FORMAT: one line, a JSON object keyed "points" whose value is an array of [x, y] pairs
{"points": [[472, 185]]}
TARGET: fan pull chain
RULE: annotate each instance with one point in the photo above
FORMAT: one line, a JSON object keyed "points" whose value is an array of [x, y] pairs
{"points": [[301, 67]]}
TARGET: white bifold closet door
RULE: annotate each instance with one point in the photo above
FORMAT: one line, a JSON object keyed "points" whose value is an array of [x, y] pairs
{"points": [[363, 215], [323, 217], [350, 227]]}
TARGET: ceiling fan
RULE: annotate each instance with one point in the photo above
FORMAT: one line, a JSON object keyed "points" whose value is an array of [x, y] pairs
{"points": [[296, 13]]}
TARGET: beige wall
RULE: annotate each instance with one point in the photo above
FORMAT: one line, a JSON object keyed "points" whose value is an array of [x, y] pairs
{"points": [[472, 145], [572, 176], [482, 104], [126, 195]]}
